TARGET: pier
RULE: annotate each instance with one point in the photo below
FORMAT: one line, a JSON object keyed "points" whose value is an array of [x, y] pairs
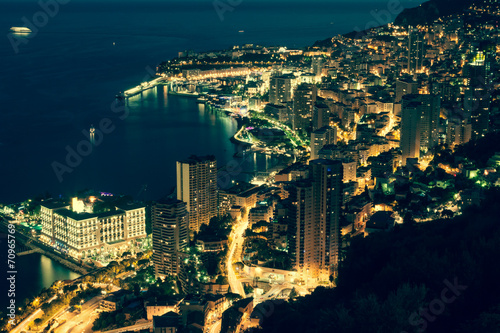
{"points": [[25, 253], [144, 86], [195, 76]]}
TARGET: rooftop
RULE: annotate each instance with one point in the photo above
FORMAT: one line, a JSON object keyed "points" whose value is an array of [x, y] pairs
{"points": [[193, 159], [86, 216], [169, 319], [130, 206], [54, 204]]}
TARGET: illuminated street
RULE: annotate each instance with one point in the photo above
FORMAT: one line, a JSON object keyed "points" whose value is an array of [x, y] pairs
{"points": [[236, 245], [81, 320]]}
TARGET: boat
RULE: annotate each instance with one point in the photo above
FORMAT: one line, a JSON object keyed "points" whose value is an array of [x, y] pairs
{"points": [[92, 129], [201, 100], [21, 30], [183, 93]]}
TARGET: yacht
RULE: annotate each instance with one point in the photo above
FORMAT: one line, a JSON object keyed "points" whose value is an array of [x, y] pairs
{"points": [[22, 30], [202, 99]]}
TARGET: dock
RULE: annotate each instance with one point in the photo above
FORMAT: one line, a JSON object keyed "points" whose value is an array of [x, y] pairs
{"points": [[144, 86]]}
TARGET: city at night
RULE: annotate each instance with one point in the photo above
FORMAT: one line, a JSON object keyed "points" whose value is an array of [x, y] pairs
{"points": [[250, 166]]}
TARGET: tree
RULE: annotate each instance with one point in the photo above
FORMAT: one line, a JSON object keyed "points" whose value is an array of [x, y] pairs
{"points": [[137, 290], [221, 279], [233, 297], [75, 300], [446, 213], [38, 322], [408, 219]]}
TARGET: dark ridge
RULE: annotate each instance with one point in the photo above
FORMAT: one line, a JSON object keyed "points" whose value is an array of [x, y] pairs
{"points": [[431, 10]]}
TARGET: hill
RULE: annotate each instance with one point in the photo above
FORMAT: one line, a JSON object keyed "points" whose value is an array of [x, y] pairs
{"points": [[439, 276], [426, 13], [431, 10]]}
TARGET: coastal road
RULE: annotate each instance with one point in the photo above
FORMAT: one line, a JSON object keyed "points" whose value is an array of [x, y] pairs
{"points": [[236, 245], [137, 327], [23, 326], [82, 321], [84, 326], [284, 128]]}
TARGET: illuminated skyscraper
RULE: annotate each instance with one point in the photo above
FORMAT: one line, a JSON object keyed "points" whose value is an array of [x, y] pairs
{"points": [[477, 94], [281, 89], [415, 51], [170, 223], [458, 130], [429, 124], [197, 187], [404, 87], [317, 64], [320, 116], [411, 115], [419, 124], [315, 219], [301, 245], [327, 176], [322, 137], [303, 103]]}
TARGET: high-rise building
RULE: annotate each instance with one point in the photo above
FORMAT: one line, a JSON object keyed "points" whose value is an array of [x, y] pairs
{"points": [[303, 102], [419, 124], [411, 115], [317, 64], [458, 131], [415, 51], [350, 168], [314, 218], [429, 124], [404, 87], [477, 94], [322, 137], [327, 176], [301, 245], [281, 89], [197, 187], [170, 235], [321, 116]]}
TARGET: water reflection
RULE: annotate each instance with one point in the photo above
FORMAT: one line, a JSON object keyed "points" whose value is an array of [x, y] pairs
{"points": [[36, 272]]}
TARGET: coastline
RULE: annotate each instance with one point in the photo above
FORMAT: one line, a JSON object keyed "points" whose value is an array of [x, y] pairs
{"points": [[66, 263], [37, 247]]}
